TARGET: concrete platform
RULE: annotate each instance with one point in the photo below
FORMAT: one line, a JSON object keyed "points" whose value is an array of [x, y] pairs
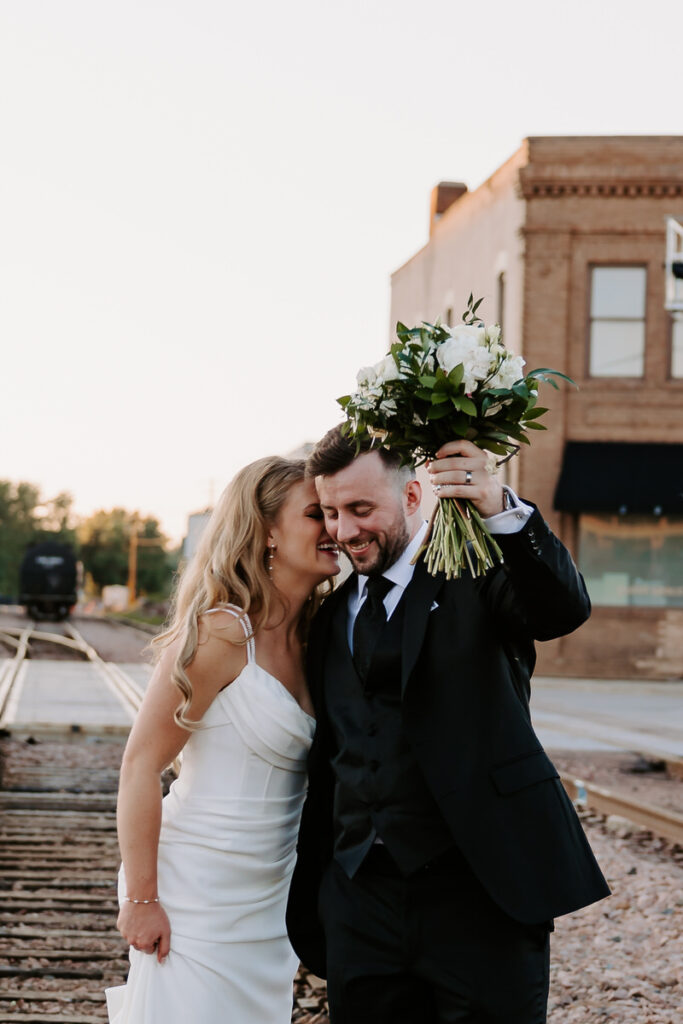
{"points": [[65, 695], [599, 714], [140, 672], [568, 714]]}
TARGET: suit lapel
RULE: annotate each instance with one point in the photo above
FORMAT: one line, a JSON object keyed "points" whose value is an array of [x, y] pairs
{"points": [[320, 638], [419, 598]]}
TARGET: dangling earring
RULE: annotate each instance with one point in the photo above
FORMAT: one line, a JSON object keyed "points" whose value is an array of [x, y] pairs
{"points": [[271, 558]]}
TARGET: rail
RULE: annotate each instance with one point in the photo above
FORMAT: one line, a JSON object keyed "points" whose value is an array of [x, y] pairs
{"points": [[666, 824], [126, 690]]}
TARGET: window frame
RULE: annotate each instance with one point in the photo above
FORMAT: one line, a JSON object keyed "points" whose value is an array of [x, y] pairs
{"points": [[612, 265], [653, 526], [676, 378]]}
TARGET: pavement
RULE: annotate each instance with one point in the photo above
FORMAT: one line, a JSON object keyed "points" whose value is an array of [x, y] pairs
{"points": [[608, 714], [568, 714]]}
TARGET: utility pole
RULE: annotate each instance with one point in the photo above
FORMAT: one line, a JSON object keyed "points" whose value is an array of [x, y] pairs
{"points": [[136, 542]]}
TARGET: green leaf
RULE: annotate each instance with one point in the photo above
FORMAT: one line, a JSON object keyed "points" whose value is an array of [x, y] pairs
{"points": [[547, 380], [456, 375], [497, 435], [534, 426], [428, 382], [518, 433], [438, 397], [491, 446], [534, 412], [437, 412], [540, 375], [464, 404]]}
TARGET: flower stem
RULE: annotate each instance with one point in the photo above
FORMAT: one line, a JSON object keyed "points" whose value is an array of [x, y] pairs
{"points": [[457, 537]]}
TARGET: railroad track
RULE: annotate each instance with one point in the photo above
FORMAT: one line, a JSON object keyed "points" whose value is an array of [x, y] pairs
{"points": [[59, 948], [666, 824], [58, 863], [58, 852], [126, 691]]}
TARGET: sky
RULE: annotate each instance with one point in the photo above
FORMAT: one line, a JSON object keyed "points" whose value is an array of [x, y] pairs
{"points": [[201, 204]]}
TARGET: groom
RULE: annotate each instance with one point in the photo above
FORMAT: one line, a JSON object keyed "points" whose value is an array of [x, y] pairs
{"points": [[437, 843]]}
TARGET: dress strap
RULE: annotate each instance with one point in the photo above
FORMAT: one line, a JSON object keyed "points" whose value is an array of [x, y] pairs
{"points": [[245, 623]]}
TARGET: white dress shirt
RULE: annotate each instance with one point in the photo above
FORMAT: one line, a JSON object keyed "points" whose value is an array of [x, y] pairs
{"points": [[512, 520]]}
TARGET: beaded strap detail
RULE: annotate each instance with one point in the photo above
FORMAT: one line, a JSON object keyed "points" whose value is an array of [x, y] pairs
{"points": [[244, 622]]}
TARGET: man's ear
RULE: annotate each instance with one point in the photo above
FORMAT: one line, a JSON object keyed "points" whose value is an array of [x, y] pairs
{"points": [[412, 496]]}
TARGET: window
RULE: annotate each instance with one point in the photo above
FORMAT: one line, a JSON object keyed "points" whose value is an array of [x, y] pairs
{"points": [[632, 559], [617, 321], [677, 345]]}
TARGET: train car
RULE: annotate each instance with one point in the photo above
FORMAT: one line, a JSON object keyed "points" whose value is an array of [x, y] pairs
{"points": [[47, 580]]}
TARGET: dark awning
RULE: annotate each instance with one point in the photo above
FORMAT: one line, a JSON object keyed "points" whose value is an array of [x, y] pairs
{"points": [[601, 476]]}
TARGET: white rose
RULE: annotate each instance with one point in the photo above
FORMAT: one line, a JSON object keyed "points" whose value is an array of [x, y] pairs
{"points": [[510, 371], [388, 406], [454, 351], [366, 377], [480, 364], [474, 332], [386, 369], [493, 333], [475, 358]]}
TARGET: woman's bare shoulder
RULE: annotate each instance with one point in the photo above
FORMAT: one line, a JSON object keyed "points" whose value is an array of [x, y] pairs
{"points": [[224, 625]]}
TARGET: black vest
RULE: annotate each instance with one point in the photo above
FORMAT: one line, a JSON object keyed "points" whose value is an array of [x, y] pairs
{"points": [[380, 791]]}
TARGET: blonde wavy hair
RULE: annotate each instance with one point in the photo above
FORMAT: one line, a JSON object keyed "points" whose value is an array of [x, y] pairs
{"points": [[229, 566]]}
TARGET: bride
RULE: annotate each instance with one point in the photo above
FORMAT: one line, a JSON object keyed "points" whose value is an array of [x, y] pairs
{"points": [[205, 873]]}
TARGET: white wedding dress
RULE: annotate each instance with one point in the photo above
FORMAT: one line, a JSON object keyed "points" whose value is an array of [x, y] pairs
{"points": [[226, 855]]}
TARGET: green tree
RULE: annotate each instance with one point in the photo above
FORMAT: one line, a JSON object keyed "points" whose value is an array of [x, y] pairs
{"points": [[155, 567], [26, 518], [104, 542]]}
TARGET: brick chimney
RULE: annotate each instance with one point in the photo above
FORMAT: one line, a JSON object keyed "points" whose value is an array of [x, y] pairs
{"points": [[444, 195]]}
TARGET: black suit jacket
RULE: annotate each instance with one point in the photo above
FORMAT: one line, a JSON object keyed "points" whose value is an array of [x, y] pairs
{"points": [[467, 658]]}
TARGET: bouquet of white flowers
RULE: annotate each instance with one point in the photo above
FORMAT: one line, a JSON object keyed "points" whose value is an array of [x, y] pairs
{"points": [[439, 384]]}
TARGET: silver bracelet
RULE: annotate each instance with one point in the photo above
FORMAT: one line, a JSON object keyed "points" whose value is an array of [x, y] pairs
{"points": [[129, 899]]}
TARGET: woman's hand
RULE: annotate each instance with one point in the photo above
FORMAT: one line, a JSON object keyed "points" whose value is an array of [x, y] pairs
{"points": [[145, 926]]}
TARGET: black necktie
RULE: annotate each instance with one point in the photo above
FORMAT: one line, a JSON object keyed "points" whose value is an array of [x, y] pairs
{"points": [[369, 621]]}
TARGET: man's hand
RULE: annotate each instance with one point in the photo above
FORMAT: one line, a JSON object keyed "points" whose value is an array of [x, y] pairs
{"points": [[460, 471]]}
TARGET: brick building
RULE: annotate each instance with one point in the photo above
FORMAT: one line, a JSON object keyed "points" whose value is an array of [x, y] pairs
{"points": [[567, 242]]}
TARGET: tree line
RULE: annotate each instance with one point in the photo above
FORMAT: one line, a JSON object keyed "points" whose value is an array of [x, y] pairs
{"points": [[101, 541]]}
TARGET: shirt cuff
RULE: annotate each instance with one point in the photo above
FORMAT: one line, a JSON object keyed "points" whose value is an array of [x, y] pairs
{"points": [[512, 520]]}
